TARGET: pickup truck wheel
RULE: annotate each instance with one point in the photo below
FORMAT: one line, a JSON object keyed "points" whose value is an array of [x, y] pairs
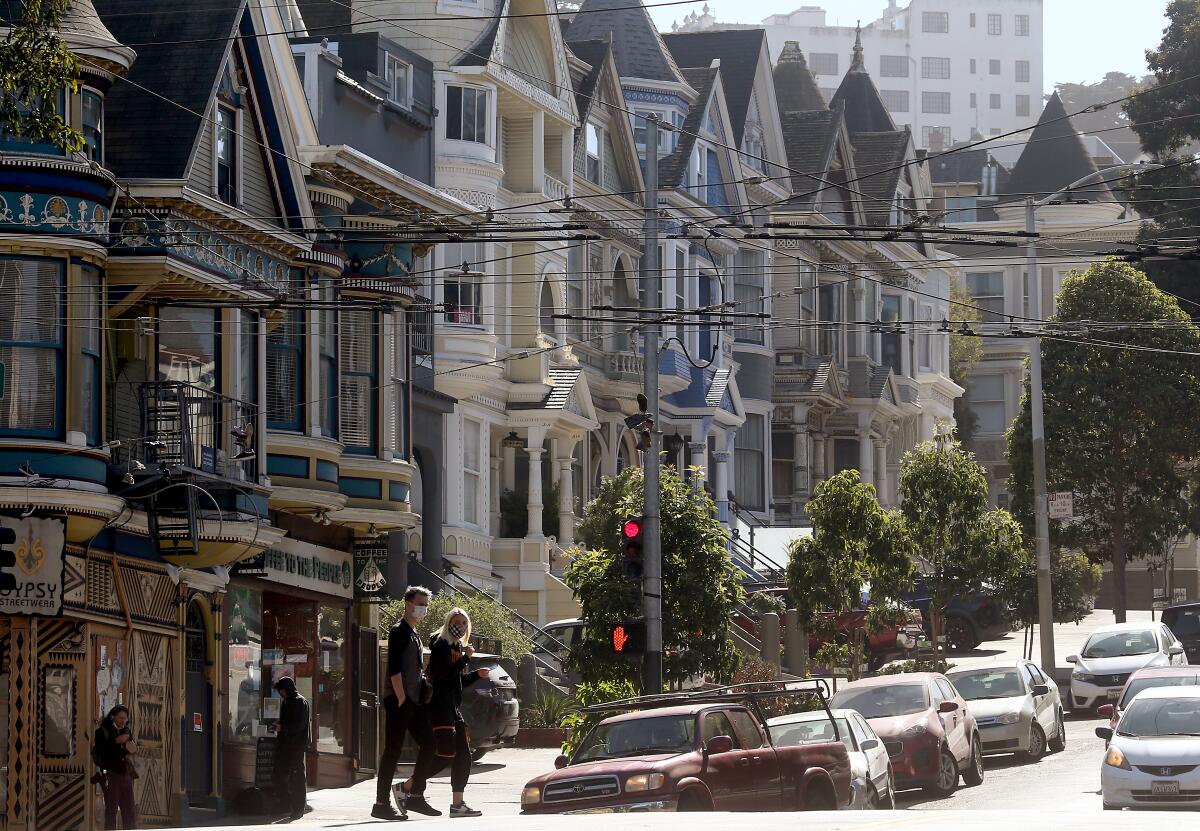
{"points": [[960, 634], [946, 780], [694, 801], [818, 796]]}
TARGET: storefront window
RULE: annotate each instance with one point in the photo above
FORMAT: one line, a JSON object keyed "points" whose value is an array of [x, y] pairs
{"points": [[245, 672], [332, 688]]}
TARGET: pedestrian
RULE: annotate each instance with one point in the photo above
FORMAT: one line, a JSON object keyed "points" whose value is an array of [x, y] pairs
{"points": [[113, 746], [292, 730], [402, 707], [449, 653]]}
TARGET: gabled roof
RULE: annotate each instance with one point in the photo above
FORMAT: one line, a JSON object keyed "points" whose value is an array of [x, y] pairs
{"points": [[810, 138], [672, 168], [1054, 157], [480, 52], [878, 160], [594, 53], [638, 47], [179, 57], [865, 111], [795, 87], [738, 51]]}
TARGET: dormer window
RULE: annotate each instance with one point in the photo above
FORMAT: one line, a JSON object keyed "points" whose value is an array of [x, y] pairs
{"points": [[592, 139], [398, 77], [227, 164]]}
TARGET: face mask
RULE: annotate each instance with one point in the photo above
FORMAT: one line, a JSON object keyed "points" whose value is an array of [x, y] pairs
{"points": [[456, 630], [419, 612]]}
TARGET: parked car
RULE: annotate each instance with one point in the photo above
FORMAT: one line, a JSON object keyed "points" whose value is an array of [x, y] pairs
{"points": [[557, 637], [490, 706], [930, 735], [1153, 756], [1144, 679], [1113, 653], [1183, 619], [1016, 707], [967, 621], [711, 754], [873, 786]]}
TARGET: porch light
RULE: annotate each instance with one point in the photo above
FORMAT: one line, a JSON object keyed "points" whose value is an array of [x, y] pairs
{"points": [[512, 441]]}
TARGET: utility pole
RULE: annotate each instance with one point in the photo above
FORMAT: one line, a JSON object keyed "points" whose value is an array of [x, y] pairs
{"points": [[1038, 428], [652, 678]]}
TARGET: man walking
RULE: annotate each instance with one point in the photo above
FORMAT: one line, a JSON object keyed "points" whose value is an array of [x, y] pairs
{"points": [[401, 705], [293, 739]]}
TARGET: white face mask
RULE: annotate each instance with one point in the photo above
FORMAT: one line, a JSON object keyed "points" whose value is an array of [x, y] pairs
{"points": [[419, 612]]}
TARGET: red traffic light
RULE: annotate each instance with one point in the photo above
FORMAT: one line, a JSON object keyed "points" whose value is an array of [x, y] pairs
{"points": [[631, 529], [628, 637], [619, 638]]}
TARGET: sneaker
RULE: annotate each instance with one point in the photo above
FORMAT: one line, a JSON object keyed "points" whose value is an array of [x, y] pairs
{"points": [[464, 810], [419, 805], [385, 811]]}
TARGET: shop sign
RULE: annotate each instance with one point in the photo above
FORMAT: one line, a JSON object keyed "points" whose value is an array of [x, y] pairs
{"points": [[310, 567], [370, 578], [256, 566], [31, 565]]}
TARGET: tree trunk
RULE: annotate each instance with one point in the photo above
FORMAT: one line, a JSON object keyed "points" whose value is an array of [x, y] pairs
{"points": [[1120, 593], [935, 628]]}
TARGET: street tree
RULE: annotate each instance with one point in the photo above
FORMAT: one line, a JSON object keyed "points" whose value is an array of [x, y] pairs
{"points": [[36, 67], [855, 543], [1075, 582], [700, 585], [1086, 103], [964, 547], [1118, 425]]}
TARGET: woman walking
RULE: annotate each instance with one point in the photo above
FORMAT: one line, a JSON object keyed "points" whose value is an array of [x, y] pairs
{"points": [[113, 746], [449, 652]]}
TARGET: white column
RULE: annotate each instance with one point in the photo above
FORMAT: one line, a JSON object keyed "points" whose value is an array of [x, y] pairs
{"points": [[509, 467], [566, 500], [699, 451], [539, 152], [535, 493], [721, 485], [494, 497], [866, 458], [881, 473]]}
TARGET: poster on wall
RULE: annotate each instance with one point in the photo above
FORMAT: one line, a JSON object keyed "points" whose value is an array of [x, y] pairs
{"points": [[31, 565], [112, 673], [370, 580]]}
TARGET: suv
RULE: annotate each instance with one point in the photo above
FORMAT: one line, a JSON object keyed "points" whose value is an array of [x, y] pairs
{"points": [[967, 622], [1183, 619]]}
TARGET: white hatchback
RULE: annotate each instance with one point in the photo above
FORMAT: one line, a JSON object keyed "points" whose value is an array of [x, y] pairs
{"points": [[1153, 757], [1112, 654]]}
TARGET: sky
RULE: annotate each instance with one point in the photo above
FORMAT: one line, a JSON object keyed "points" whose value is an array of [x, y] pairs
{"points": [[1114, 34]]}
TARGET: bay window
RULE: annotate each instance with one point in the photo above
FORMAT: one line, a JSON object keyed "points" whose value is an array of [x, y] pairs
{"points": [[472, 470], [31, 341], [358, 339], [327, 358], [462, 282], [90, 325], [466, 114], [93, 126], [749, 473], [890, 354], [285, 373], [986, 396]]}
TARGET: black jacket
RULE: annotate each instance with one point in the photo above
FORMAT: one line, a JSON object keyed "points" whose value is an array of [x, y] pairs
{"points": [[404, 659], [294, 724], [447, 673], [107, 754]]}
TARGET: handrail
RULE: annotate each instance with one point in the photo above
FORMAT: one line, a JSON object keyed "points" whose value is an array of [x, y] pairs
{"points": [[753, 554]]}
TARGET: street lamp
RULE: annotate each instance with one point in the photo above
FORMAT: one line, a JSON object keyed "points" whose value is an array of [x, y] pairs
{"points": [[1037, 409]]}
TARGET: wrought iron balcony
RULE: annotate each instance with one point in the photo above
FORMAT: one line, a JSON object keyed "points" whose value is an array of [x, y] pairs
{"points": [[191, 429]]}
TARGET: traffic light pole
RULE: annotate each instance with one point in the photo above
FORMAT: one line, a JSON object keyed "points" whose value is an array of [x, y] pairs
{"points": [[652, 679]]}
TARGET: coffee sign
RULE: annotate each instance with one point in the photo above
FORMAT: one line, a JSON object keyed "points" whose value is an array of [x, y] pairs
{"points": [[31, 565]]}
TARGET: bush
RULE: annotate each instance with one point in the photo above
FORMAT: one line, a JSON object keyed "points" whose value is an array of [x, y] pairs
{"points": [[488, 620], [549, 708], [928, 665], [579, 724], [763, 603]]}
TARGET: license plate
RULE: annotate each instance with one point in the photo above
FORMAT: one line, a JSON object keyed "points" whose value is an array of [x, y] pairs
{"points": [[1164, 788]]}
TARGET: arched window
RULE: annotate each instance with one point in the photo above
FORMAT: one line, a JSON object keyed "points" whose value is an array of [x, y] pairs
{"points": [[546, 308]]}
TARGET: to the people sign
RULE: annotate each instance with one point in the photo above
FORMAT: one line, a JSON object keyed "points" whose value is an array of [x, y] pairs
{"points": [[31, 565]]}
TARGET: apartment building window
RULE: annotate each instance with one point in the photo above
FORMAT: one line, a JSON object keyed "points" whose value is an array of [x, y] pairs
{"points": [[972, 20], [1021, 70], [935, 102], [937, 23], [973, 101], [472, 470], [889, 341], [749, 446], [398, 77], [935, 68], [1022, 25], [466, 114], [994, 101], [1023, 105], [972, 66], [935, 137], [228, 156], [993, 67], [823, 63], [986, 289], [462, 282], [995, 24], [986, 396], [358, 336], [593, 153], [285, 373], [893, 66], [896, 100]]}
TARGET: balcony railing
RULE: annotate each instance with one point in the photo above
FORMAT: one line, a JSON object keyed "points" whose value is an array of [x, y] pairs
{"points": [[199, 431], [553, 188], [626, 367]]}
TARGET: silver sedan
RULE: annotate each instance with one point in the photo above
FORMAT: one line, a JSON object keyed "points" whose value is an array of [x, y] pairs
{"points": [[1016, 706]]}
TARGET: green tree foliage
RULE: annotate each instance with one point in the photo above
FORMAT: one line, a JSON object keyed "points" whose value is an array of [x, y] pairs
{"points": [[36, 67], [964, 546], [488, 619], [588, 694], [701, 586], [1118, 421], [1111, 123], [1075, 582], [855, 542]]}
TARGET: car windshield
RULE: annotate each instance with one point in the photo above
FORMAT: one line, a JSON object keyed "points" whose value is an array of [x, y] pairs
{"points": [[1139, 684], [1161, 717], [1184, 622], [811, 731], [662, 734], [1117, 644], [552, 640], [880, 702], [987, 683]]}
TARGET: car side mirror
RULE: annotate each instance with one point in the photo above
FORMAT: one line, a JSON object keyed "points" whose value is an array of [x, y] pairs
{"points": [[869, 744], [947, 706], [561, 761], [1175, 649], [1105, 733], [1041, 689], [718, 745], [1105, 711], [1072, 659]]}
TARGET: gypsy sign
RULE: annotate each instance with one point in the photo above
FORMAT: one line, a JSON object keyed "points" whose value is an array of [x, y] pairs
{"points": [[31, 565]]}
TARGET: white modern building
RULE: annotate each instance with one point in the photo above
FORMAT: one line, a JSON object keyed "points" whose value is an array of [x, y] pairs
{"points": [[947, 69]]}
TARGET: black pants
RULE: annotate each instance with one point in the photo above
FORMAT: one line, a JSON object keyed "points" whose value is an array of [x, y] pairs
{"points": [[460, 765], [400, 719], [289, 779]]}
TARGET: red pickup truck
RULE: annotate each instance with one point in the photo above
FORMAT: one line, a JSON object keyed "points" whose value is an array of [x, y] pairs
{"points": [[706, 751]]}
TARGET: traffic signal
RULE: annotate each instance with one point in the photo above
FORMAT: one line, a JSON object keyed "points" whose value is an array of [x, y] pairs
{"points": [[630, 547], [628, 637], [8, 559]]}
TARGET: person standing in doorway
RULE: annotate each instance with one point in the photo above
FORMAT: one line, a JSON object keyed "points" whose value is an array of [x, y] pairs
{"points": [[113, 746], [293, 730], [402, 706], [449, 654]]}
